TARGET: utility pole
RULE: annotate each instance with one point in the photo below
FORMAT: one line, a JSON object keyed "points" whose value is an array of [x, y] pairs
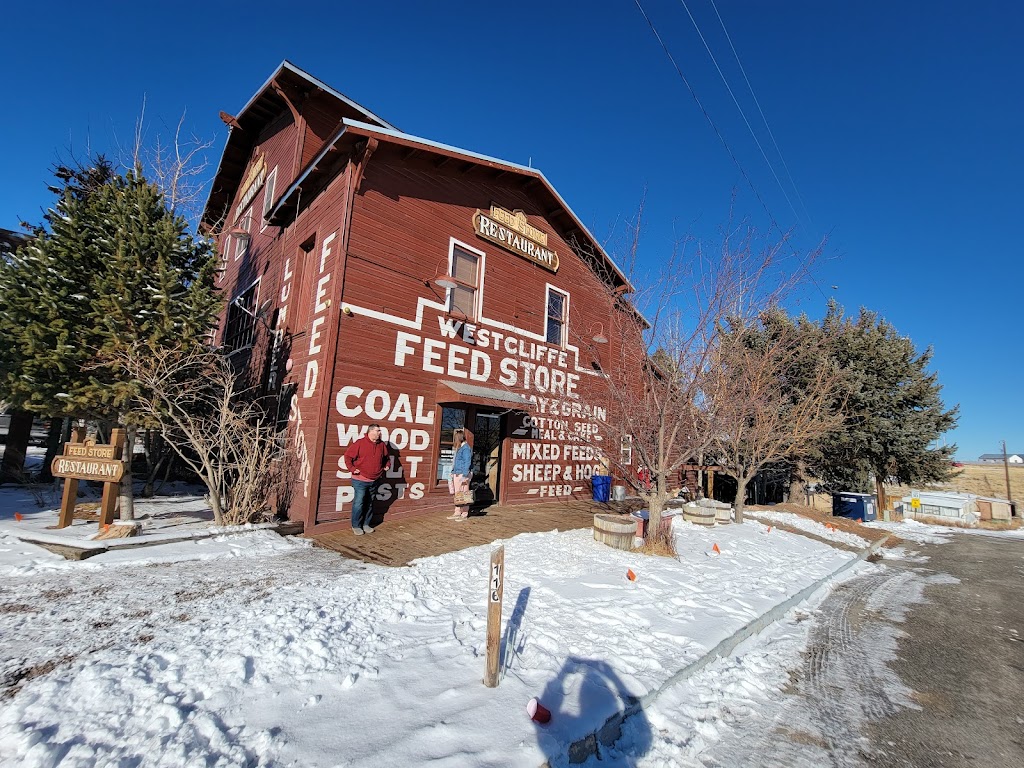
{"points": [[1006, 471]]}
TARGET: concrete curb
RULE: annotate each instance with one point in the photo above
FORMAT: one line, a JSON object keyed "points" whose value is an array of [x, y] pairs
{"points": [[582, 749], [79, 549]]}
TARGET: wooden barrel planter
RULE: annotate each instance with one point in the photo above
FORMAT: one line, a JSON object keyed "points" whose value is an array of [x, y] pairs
{"points": [[723, 516], [615, 531], [699, 515]]}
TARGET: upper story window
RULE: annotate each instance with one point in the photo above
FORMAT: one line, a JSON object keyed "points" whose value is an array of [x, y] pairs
{"points": [[268, 197], [241, 236], [241, 326], [557, 316], [466, 271], [226, 246]]}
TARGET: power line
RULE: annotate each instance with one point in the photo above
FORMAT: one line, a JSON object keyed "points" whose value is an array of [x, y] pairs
{"points": [[711, 122], [714, 127], [750, 88], [743, 114]]}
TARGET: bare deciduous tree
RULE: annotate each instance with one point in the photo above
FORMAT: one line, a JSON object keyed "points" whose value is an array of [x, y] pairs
{"points": [[216, 427], [175, 161], [660, 379], [764, 413]]}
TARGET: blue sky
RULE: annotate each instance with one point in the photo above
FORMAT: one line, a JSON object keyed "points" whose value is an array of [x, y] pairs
{"points": [[900, 124]]}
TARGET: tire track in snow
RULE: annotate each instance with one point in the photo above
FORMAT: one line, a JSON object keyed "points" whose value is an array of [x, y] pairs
{"points": [[843, 682]]}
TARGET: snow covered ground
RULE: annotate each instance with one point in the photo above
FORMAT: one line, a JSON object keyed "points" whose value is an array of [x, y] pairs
{"points": [[794, 520], [33, 512], [256, 650]]}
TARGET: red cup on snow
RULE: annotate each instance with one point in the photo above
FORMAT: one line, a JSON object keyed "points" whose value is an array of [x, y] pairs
{"points": [[537, 711]]}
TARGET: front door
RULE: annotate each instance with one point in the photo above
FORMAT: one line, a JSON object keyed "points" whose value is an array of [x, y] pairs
{"points": [[486, 456]]}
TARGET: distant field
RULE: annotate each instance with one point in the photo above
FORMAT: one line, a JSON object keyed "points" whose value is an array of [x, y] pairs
{"points": [[981, 479]]}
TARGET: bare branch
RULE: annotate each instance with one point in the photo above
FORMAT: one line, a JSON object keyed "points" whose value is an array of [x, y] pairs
{"points": [[178, 167], [222, 433], [663, 381]]}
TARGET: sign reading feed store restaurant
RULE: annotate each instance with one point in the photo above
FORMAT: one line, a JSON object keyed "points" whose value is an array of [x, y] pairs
{"points": [[511, 231]]}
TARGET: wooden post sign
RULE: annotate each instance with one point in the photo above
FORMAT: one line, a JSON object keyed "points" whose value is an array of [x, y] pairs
{"points": [[84, 460], [495, 590]]}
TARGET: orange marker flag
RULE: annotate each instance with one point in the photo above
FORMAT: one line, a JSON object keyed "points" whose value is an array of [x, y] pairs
{"points": [[630, 575], [18, 517], [716, 550]]}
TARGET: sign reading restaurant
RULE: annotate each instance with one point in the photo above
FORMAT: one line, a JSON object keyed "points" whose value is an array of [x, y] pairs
{"points": [[514, 233], [88, 461]]}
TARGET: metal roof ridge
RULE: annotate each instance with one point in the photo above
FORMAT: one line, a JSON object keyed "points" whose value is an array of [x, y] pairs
{"points": [[285, 64], [337, 94]]}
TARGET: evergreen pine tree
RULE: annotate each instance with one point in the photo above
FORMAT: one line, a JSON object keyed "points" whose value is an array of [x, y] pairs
{"points": [[893, 405], [111, 268], [114, 268]]}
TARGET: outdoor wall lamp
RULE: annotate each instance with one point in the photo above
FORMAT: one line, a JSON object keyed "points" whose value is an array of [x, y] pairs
{"points": [[599, 337], [444, 281]]}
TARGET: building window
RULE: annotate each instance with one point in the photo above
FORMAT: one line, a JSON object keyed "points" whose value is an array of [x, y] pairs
{"points": [[557, 316], [241, 327], [241, 236], [451, 419], [226, 246], [268, 197], [626, 451], [466, 271]]}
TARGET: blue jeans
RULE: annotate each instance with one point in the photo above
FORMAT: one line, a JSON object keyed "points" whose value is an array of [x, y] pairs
{"points": [[362, 503]]}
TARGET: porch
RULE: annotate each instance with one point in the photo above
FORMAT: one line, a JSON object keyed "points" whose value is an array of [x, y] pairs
{"points": [[399, 542]]}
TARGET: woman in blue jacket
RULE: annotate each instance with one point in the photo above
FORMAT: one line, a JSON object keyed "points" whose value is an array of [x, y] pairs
{"points": [[461, 472]]}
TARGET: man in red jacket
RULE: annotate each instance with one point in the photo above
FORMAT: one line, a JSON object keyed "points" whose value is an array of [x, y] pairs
{"points": [[366, 459]]}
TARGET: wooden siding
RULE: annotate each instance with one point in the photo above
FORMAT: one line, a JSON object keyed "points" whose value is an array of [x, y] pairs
{"points": [[405, 215], [322, 118], [287, 263], [376, 250]]}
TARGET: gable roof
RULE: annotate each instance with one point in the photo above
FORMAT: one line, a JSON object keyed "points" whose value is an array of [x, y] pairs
{"points": [[353, 130], [266, 104]]}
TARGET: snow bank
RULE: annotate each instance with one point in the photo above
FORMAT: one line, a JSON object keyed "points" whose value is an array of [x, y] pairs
{"points": [[306, 659], [912, 530], [794, 520]]}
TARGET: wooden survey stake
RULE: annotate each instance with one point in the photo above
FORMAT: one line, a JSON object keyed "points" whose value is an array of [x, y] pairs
{"points": [[495, 590], [84, 460]]}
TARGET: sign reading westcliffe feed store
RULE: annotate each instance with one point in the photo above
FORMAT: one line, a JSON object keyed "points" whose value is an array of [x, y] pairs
{"points": [[513, 232]]}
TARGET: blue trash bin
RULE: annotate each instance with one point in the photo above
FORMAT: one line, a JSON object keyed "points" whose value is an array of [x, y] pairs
{"points": [[602, 485], [859, 506]]}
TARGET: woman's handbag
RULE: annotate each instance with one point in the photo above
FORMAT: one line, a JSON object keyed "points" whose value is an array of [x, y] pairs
{"points": [[465, 498]]}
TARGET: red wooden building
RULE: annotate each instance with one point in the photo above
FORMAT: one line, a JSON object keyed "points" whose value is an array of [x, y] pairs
{"points": [[379, 277]]}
